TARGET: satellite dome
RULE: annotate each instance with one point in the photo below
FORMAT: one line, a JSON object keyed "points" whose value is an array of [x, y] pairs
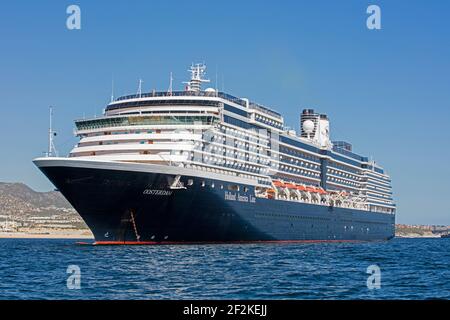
{"points": [[308, 126], [210, 90]]}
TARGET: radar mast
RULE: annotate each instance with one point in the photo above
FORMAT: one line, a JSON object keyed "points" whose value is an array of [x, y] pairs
{"points": [[198, 71], [51, 134]]}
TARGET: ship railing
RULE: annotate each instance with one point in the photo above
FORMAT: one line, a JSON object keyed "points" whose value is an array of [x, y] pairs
{"points": [[223, 95], [266, 110], [153, 94], [349, 154]]}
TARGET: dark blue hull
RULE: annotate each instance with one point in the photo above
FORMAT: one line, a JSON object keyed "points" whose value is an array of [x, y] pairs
{"points": [[129, 207]]}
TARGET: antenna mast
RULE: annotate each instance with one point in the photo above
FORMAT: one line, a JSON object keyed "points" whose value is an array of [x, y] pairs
{"points": [[140, 88], [112, 89], [51, 135], [170, 85], [217, 85]]}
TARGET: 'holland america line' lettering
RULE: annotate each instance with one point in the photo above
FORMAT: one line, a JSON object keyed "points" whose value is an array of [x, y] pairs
{"points": [[237, 197]]}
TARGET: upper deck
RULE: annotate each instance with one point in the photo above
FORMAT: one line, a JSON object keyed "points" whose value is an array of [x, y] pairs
{"points": [[134, 100], [123, 105], [210, 130]]}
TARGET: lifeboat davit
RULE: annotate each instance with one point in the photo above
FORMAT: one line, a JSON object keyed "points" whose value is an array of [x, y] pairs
{"points": [[270, 193]]}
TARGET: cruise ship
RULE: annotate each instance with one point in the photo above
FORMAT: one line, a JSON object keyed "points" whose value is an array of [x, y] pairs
{"points": [[203, 166]]}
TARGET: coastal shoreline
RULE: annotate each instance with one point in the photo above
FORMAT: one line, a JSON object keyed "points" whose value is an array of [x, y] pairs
{"points": [[417, 237], [83, 234], [75, 234]]}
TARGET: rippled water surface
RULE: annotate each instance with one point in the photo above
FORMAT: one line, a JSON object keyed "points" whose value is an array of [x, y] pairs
{"points": [[410, 269]]}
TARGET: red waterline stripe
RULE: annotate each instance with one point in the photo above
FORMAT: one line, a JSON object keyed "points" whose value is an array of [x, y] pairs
{"points": [[114, 243]]}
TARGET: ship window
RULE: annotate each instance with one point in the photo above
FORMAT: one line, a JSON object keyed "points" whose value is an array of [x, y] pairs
{"points": [[233, 187], [203, 183], [190, 182]]}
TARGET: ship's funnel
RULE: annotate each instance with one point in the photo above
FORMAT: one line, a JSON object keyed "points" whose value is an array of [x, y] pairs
{"points": [[315, 127]]}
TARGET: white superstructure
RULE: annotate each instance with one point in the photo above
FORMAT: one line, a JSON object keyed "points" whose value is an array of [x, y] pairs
{"points": [[214, 132]]}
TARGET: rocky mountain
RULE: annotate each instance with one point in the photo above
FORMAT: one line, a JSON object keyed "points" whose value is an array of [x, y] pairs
{"points": [[22, 208], [17, 199]]}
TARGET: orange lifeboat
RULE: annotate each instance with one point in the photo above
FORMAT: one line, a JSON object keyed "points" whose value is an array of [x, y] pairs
{"points": [[278, 183], [311, 189], [290, 186], [321, 191], [300, 187]]}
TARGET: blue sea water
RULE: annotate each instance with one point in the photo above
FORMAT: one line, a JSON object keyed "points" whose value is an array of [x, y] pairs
{"points": [[409, 269]]}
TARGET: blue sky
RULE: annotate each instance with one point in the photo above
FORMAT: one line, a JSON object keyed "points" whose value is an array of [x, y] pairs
{"points": [[386, 91]]}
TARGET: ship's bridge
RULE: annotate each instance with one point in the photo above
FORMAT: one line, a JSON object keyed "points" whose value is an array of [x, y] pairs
{"points": [[208, 98]]}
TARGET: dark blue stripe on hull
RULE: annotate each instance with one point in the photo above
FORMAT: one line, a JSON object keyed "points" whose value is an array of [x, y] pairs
{"points": [[116, 207]]}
